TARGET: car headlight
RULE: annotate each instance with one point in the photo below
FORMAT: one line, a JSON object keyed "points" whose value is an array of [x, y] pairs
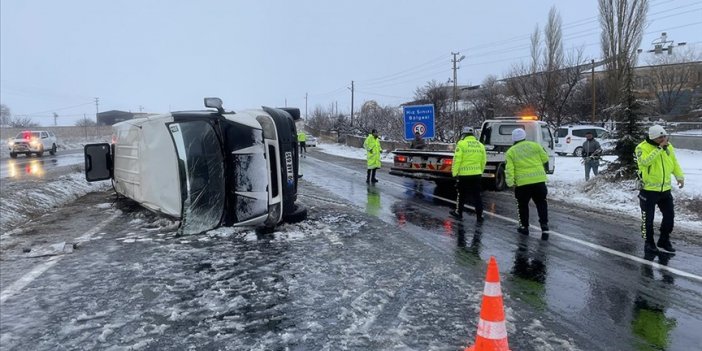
{"points": [[11, 143]]}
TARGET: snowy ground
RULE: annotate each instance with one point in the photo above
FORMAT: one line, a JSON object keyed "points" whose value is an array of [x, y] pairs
{"points": [[568, 184]]}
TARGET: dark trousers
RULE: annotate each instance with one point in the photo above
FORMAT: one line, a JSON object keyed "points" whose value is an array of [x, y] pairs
{"points": [[648, 201], [469, 188], [303, 146], [536, 192], [371, 175]]}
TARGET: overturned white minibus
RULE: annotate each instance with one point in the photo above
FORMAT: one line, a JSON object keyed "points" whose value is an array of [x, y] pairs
{"points": [[206, 168]]}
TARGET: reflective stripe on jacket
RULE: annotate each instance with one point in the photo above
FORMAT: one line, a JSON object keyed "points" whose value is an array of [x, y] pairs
{"points": [[469, 157], [525, 163], [372, 146], [656, 165], [301, 137]]}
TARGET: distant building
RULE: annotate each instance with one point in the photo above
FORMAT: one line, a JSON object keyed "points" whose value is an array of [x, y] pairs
{"points": [[109, 118]]}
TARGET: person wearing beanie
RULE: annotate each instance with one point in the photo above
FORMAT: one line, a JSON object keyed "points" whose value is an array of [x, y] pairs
{"points": [[372, 146], [468, 165], [655, 158], [525, 169]]}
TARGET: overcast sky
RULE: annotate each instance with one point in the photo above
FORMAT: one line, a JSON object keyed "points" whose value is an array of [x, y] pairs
{"points": [[156, 56]]}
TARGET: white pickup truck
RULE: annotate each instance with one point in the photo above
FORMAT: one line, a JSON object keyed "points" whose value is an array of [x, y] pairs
{"points": [[33, 142], [496, 135]]}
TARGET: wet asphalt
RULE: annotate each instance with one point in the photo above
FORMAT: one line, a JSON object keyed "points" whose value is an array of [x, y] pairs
{"points": [[373, 268], [591, 278]]}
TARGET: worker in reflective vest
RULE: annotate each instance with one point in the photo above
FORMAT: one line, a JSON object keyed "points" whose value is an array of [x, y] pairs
{"points": [[302, 140], [656, 160], [525, 169], [467, 168], [372, 146]]}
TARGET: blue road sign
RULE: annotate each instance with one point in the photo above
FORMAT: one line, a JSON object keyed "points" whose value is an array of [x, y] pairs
{"points": [[419, 118]]}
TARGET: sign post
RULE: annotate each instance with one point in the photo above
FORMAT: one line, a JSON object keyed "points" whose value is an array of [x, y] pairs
{"points": [[419, 118]]}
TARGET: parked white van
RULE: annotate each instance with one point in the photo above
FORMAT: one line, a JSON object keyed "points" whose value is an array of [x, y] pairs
{"points": [[570, 139]]}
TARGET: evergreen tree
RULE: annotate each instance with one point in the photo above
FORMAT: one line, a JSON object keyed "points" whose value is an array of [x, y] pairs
{"points": [[629, 134]]}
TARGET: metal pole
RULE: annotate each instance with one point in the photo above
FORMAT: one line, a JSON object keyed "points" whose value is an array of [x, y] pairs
{"points": [[352, 103], [594, 97]]}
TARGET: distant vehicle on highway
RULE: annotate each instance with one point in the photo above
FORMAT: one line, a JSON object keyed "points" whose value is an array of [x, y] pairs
{"points": [[311, 141], [206, 168], [33, 142]]}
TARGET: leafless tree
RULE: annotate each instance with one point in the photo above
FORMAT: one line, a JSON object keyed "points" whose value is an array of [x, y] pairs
{"points": [[22, 122], [387, 120], [437, 94], [622, 23], [546, 85], [670, 78], [488, 101], [85, 122], [5, 115]]}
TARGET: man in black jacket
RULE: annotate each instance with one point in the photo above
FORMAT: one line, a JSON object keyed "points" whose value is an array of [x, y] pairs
{"points": [[591, 155]]}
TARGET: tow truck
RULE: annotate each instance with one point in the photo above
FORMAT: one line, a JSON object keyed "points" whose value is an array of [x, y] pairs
{"points": [[495, 134], [206, 168]]}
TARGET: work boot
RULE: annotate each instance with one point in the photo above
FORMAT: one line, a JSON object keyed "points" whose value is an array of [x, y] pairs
{"points": [[650, 247], [456, 214], [374, 180], [480, 219], [666, 247], [523, 230]]}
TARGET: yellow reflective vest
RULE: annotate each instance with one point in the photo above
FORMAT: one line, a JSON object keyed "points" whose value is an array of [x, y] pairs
{"points": [[372, 146], [656, 165], [301, 137], [469, 157], [525, 164]]}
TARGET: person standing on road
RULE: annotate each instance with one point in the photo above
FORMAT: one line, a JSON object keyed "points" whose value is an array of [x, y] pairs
{"points": [[467, 168], [372, 146], [302, 140], [656, 161], [418, 143], [591, 155], [526, 164]]}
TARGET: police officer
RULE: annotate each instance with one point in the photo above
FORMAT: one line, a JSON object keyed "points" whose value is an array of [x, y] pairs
{"points": [[526, 164], [656, 160], [467, 168], [372, 146], [302, 139]]}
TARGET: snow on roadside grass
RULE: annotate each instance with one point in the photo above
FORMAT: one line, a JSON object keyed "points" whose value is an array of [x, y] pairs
{"points": [[568, 184], [23, 200]]}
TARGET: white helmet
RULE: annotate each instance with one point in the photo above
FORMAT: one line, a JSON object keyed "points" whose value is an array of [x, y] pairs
{"points": [[467, 130], [656, 131]]}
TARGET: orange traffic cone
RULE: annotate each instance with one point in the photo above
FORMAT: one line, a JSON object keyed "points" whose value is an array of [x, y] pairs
{"points": [[492, 330]]}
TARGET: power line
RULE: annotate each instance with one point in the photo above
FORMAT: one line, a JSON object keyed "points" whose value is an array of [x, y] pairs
{"points": [[56, 109]]}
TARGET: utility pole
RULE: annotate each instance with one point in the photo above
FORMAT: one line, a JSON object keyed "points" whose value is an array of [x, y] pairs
{"points": [[141, 109], [286, 102], [97, 101], [455, 78], [594, 96], [662, 44], [352, 103], [305, 106], [55, 116]]}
